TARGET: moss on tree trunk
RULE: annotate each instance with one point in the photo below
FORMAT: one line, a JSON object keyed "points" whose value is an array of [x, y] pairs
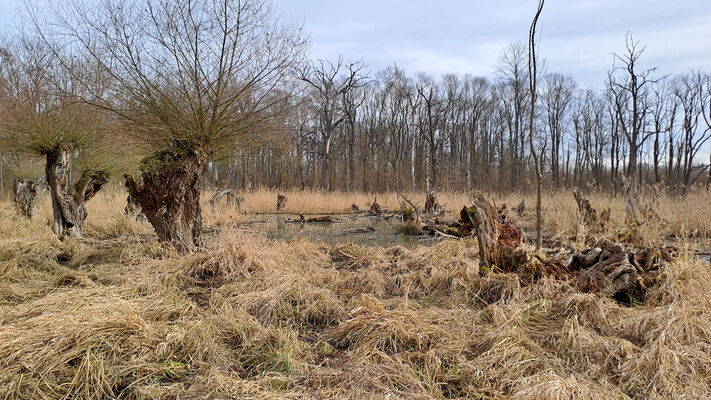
{"points": [[169, 196]]}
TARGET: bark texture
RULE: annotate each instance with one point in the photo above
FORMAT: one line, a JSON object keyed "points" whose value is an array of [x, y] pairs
{"points": [[169, 195], [69, 201], [498, 237], [27, 193]]}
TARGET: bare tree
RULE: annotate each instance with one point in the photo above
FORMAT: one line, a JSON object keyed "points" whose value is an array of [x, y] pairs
{"points": [[331, 82], [532, 77]]}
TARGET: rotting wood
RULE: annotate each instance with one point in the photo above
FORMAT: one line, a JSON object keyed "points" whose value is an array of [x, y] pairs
{"points": [[497, 236], [327, 219], [607, 271], [28, 192], [406, 214], [588, 214], [375, 209]]}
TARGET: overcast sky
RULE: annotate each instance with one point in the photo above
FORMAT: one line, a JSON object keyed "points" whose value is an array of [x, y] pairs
{"points": [[468, 36]]}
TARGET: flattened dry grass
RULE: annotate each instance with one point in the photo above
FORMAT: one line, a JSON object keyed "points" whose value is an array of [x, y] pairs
{"points": [[115, 315]]}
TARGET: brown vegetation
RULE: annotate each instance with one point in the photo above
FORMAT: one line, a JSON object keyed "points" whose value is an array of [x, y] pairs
{"points": [[117, 315]]}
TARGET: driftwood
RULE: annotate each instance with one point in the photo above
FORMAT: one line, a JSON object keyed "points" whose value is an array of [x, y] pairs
{"points": [[230, 196], [27, 193], [281, 202]]}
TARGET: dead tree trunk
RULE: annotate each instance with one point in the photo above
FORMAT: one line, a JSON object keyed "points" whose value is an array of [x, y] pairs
{"points": [[169, 195], [498, 237], [27, 193], [69, 201]]}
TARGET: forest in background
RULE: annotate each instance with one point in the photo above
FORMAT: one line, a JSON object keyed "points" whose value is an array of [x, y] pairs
{"points": [[396, 131], [350, 129]]}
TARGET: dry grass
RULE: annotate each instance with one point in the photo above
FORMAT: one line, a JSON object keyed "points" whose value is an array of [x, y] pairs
{"points": [[115, 315]]}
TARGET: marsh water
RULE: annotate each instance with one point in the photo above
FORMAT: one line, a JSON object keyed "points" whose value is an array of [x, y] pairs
{"points": [[356, 229]]}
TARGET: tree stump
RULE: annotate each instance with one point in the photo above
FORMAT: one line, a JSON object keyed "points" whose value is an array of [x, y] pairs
{"points": [[497, 236], [27, 193], [431, 206], [281, 202], [607, 271], [631, 200], [375, 208]]}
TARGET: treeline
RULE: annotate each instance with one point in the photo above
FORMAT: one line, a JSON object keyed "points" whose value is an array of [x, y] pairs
{"points": [[415, 132]]}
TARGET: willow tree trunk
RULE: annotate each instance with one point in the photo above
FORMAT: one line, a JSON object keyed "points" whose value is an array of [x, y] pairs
{"points": [[27, 193], [69, 201], [169, 195]]}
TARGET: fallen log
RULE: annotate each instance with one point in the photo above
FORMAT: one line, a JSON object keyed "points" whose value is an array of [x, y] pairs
{"points": [[303, 220], [358, 230]]}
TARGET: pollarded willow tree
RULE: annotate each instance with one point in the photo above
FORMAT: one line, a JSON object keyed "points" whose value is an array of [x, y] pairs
{"points": [[190, 80], [41, 117]]}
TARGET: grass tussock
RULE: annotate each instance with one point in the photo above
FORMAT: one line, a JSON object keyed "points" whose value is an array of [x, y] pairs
{"points": [[116, 315]]}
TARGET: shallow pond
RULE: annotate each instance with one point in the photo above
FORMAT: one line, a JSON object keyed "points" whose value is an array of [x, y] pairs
{"points": [[356, 229]]}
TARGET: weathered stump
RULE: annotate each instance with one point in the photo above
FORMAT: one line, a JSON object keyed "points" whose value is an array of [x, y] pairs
{"points": [[631, 199], [375, 208], [497, 236], [431, 205], [607, 270], [169, 195], [69, 201], [27, 193], [281, 202]]}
